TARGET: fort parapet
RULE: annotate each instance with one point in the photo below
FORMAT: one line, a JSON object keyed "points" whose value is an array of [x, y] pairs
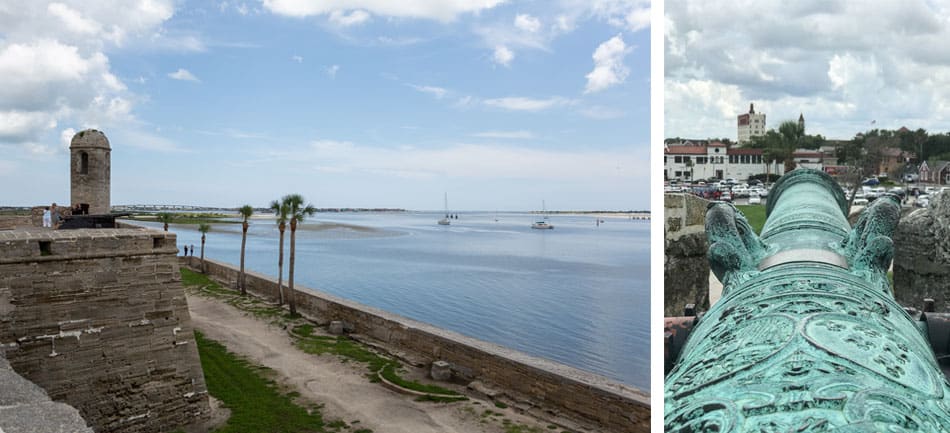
{"points": [[549, 385], [98, 319]]}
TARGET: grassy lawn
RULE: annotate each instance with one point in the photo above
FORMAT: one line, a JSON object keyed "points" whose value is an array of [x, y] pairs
{"points": [[755, 214], [302, 331], [189, 218], [256, 402]]}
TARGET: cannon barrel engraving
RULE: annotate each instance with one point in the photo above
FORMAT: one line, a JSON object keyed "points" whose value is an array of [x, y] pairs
{"points": [[807, 336]]}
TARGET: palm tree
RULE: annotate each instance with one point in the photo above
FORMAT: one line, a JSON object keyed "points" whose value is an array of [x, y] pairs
{"points": [[166, 218], [282, 213], [246, 211], [203, 228], [298, 211]]}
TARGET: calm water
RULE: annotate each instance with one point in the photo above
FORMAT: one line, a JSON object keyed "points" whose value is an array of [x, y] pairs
{"points": [[578, 294]]}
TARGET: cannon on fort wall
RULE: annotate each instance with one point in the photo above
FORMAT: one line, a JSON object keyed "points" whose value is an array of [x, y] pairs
{"points": [[807, 336]]}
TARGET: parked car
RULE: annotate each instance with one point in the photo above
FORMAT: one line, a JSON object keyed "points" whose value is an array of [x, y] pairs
{"points": [[859, 201], [871, 181], [740, 191], [726, 197], [754, 198]]}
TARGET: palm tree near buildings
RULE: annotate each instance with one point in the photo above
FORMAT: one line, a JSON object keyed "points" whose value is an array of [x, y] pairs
{"points": [[246, 211], [298, 212], [165, 218], [282, 213], [204, 229]]}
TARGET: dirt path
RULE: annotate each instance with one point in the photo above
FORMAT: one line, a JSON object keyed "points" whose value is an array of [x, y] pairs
{"points": [[342, 387]]}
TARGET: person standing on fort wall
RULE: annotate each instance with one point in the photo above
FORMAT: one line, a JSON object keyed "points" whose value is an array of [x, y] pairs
{"points": [[54, 216], [47, 218]]}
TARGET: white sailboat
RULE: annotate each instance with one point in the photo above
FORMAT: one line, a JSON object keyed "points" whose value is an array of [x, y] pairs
{"points": [[445, 221], [543, 222]]}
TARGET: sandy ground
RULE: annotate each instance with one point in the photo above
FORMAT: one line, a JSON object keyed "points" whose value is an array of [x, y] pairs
{"points": [[342, 387]]}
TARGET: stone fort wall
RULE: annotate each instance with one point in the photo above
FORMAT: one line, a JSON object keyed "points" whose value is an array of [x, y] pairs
{"points": [[553, 386], [98, 319], [686, 269]]}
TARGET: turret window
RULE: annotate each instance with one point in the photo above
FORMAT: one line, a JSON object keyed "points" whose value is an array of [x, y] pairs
{"points": [[83, 163]]}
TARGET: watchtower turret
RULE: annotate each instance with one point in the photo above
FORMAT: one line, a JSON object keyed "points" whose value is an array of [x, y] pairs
{"points": [[90, 171]]}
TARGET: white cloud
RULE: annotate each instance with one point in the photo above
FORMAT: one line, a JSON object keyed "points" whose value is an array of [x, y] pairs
{"points": [[296, 58], [66, 137], [242, 9], [342, 19], [438, 92], [503, 56], [518, 103], [815, 58], [23, 125], [609, 69], [332, 70], [444, 10], [521, 135], [563, 24], [183, 74], [601, 113], [55, 69], [638, 18], [478, 161], [527, 23], [73, 20]]}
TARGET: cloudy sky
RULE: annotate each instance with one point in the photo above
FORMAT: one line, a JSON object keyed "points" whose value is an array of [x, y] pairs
{"points": [[843, 64], [359, 103]]}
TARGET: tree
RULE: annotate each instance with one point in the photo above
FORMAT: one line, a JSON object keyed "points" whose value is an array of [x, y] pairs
{"points": [[246, 211], [298, 212], [166, 218], [204, 229], [282, 213], [780, 145], [863, 157]]}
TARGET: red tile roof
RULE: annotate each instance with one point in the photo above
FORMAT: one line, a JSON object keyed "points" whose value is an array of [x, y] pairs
{"points": [[744, 151], [686, 150]]}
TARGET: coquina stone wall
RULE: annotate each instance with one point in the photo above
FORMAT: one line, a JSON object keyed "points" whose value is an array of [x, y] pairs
{"points": [[616, 407], [12, 222], [98, 319], [686, 269], [25, 407], [922, 256]]}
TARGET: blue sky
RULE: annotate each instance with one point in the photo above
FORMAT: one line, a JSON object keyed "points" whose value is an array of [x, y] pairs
{"points": [[364, 103]]}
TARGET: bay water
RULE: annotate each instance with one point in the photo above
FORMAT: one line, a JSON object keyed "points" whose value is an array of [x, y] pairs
{"points": [[577, 294]]}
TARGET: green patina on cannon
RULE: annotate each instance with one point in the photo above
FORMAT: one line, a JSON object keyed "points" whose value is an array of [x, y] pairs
{"points": [[807, 336]]}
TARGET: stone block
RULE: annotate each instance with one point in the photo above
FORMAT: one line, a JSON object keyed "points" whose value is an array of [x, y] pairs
{"points": [[441, 370], [336, 327]]}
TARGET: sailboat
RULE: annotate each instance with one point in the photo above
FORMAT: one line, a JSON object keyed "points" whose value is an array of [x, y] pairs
{"points": [[445, 221], [542, 223]]}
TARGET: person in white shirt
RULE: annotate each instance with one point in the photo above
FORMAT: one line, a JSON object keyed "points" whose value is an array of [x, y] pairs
{"points": [[47, 218]]}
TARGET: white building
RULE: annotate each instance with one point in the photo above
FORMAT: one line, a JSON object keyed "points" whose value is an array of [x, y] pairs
{"points": [[695, 160], [750, 125]]}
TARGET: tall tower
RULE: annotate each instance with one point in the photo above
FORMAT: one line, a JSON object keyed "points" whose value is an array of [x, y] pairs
{"points": [[801, 121], [90, 171], [750, 125]]}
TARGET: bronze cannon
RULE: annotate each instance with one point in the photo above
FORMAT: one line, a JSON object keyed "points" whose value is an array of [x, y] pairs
{"points": [[807, 336]]}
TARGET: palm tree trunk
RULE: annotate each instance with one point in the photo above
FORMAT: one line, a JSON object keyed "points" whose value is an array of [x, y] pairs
{"points": [[280, 267], [243, 243], [290, 272], [203, 254], [166, 227]]}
